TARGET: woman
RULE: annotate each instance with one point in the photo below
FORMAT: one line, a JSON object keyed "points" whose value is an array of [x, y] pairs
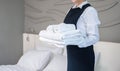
{"points": [[81, 55]]}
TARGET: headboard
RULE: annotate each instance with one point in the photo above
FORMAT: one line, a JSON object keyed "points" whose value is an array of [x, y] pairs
{"points": [[30, 41]]}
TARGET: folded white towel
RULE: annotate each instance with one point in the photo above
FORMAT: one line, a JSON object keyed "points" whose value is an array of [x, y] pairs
{"points": [[73, 41], [61, 35], [50, 35], [60, 44], [72, 33], [76, 36], [52, 28], [60, 28], [51, 41]]}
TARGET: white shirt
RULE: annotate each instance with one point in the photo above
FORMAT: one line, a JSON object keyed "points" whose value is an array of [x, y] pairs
{"points": [[88, 25]]}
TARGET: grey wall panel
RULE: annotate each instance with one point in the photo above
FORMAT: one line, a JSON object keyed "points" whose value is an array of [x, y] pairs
{"points": [[41, 13]]}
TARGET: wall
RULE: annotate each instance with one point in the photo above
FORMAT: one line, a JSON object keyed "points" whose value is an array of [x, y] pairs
{"points": [[11, 29], [41, 13]]}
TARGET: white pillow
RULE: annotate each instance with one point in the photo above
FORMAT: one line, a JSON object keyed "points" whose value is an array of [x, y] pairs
{"points": [[35, 59], [58, 63]]}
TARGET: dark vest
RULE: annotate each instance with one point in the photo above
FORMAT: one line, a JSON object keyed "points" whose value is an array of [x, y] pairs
{"points": [[74, 14], [78, 59]]}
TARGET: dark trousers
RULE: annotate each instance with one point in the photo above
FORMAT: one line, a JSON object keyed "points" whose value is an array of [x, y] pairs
{"points": [[80, 59]]}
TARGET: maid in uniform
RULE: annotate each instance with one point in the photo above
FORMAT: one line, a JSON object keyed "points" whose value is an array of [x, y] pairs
{"points": [[81, 56]]}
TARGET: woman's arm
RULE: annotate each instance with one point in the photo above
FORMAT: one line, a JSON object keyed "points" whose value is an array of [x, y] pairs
{"points": [[92, 22]]}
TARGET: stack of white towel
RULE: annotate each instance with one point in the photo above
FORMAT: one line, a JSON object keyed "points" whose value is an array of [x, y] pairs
{"points": [[60, 34]]}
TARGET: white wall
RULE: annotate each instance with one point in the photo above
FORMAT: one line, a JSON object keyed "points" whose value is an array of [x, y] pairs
{"points": [[11, 29]]}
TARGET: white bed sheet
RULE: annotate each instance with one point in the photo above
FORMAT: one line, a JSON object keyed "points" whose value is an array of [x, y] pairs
{"points": [[12, 68]]}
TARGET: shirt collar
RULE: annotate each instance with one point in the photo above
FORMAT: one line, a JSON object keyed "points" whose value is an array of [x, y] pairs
{"points": [[81, 5]]}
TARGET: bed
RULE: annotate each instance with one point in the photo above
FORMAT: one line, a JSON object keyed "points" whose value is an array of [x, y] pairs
{"points": [[42, 56], [107, 56]]}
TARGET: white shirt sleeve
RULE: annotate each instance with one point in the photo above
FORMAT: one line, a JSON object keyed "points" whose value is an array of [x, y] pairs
{"points": [[91, 21]]}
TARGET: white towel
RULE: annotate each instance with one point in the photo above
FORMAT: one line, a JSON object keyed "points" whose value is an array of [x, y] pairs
{"points": [[70, 34], [76, 36], [50, 35], [60, 28], [52, 28], [51, 41], [60, 44], [73, 41], [60, 35]]}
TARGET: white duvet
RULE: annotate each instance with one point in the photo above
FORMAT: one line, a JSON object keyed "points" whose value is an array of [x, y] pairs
{"points": [[12, 68]]}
